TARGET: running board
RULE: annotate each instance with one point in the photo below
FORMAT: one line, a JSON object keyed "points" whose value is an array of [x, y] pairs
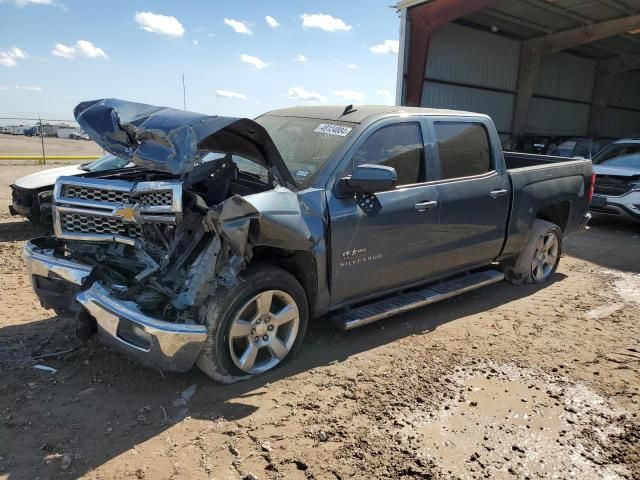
{"points": [[388, 307]]}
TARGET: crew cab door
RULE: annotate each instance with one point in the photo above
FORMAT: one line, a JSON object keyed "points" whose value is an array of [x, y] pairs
{"points": [[386, 242], [473, 193]]}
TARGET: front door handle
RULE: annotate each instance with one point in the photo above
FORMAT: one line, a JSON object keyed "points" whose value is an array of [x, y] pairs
{"points": [[498, 193], [423, 206]]}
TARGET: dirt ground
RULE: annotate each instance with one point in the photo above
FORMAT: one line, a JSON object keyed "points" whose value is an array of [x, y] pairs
{"points": [[23, 145], [504, 382]]}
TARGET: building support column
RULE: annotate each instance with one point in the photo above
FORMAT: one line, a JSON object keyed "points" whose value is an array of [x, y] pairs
{"points": [[423, 19], [601, 89], [418, 51], [528, 70]]}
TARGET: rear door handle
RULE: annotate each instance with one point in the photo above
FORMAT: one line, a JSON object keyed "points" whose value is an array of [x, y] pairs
{"points": [[422, 206], [498, 193]]}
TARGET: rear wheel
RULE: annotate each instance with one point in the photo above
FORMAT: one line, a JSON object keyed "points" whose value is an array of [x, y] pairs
{"points": [[540, 258], [254, 326]]}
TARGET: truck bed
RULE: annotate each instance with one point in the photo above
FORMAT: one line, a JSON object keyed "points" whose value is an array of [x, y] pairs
{"points": [[515, 160], [553, 180]]}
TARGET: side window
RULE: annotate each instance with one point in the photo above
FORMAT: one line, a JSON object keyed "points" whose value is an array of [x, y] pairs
{"points": [[464, 149], [399, 146]]}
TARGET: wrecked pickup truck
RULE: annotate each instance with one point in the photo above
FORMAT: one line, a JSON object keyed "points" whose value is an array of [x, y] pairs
{"points": [[229, 234]]}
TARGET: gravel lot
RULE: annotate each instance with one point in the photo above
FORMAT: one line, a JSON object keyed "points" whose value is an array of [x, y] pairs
{"points": [[504, 382], [22, 145]]}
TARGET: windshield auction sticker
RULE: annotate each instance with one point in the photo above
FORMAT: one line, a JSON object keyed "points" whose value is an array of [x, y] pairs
{"points": [[329, 129]]}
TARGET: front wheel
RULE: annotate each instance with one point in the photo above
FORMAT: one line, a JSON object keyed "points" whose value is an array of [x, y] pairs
{"points": [[254, 326], [540, 258]]}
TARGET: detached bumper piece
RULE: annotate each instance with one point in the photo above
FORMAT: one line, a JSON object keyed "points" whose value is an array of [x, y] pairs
{"points": [[152, 342]]}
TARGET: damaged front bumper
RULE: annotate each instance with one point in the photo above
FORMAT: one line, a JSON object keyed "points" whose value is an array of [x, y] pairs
{"points": [[121, 325]]}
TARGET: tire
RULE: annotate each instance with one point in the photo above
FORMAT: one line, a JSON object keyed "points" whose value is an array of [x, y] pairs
{"points": [[233, 339], [534, 265]]}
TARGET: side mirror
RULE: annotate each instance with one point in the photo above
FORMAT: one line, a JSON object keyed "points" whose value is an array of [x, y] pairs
{"points": [[367, 179]]}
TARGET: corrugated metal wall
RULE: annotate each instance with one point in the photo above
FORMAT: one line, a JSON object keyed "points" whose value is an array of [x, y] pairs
{"points": [[565, 76], [622, 118], [468, 69], [498, 105], [625, 91], [621, 123], [462, 54], [474, 70], [561, 101], [556, 117]]}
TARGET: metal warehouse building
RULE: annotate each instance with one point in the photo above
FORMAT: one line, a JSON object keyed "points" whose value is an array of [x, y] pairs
{"points": [[549, 67]]}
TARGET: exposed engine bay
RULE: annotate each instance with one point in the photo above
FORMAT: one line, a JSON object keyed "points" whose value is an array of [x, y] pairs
{"points": [[164, 254]]}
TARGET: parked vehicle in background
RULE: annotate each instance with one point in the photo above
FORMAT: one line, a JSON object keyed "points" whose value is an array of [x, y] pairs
{"points": [[617, 187], [31, 195], [557, 146], [354, 211]]}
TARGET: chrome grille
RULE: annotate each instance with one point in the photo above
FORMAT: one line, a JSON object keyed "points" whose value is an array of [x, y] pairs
{"points": [[161, 198], [106, 210], [612, 185], [155, 198], [77, 223]]}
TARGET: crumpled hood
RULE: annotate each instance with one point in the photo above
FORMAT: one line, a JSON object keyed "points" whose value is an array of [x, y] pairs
{"points": [[171, 140]]}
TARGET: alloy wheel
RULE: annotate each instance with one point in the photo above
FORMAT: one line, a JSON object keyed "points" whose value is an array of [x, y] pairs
{"points": [[263, 331], [546, 257]]}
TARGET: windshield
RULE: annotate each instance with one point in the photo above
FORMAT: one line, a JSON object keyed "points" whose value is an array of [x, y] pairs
{"points": [[305, 144], [620, 155], [108, 162]]}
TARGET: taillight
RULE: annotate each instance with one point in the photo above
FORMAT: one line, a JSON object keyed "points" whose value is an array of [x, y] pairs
{"points": [[592, 186]]}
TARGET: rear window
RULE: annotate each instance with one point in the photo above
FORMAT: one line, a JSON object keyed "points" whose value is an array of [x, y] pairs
{"points": [[463, 148], [306, 144]]}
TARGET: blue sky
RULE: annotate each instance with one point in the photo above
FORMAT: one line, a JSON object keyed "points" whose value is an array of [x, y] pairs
{"points": [[54, 54]]}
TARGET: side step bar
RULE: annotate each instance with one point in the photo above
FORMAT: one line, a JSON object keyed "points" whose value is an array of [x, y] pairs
{"points": [[388, 307]]}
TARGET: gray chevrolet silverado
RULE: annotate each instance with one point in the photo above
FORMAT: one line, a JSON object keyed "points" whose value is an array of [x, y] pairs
{"points": [[353, 214]]}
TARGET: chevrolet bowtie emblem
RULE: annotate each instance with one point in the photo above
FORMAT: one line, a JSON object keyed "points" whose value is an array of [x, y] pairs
{"points": [[127, 213]]}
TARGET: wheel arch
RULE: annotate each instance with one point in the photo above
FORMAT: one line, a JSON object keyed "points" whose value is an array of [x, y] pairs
{"points": [[299, 263], [557, 213]]}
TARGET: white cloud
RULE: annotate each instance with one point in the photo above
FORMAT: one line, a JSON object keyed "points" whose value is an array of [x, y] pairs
{"points": [[160, 24], [195, 42], [386, 95], [230, 94], [324, 22], [388, 47], [23, 3], [299, 93], [9, 58], [350, 95], [273, 23], [82, 49], [238, 26], [4, 88], [352, 66], [28, 88], [211, 35], [255, 61], [300, 58]]}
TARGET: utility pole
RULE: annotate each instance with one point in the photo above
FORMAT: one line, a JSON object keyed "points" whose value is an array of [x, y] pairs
{"points": [[41, 128], [184, 94]]}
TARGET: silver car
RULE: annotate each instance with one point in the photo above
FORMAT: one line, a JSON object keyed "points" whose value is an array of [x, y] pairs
{"points": [[617, 187]]}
